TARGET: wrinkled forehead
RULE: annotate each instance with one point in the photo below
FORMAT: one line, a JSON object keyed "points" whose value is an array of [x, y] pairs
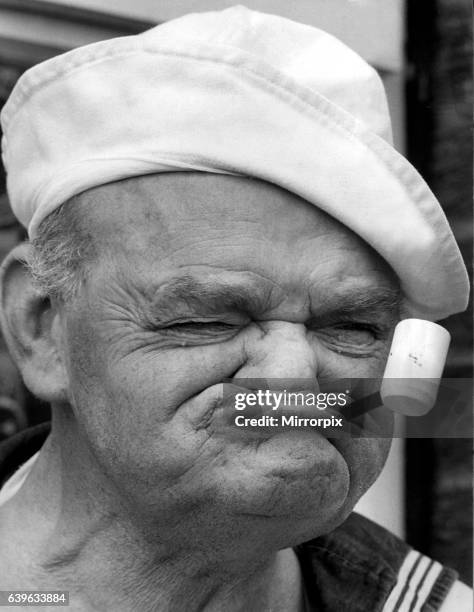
{"points": [[165, 196], [166, 210], [157, 226]]}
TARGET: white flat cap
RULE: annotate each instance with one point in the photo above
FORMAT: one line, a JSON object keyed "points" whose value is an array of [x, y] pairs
{"points": [[233, 92]]}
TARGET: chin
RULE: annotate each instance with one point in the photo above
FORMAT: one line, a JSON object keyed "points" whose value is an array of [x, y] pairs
{"points": [[292, 476], [304, 484]]}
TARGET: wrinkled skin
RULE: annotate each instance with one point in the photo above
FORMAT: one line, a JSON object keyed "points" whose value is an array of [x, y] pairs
{"points": [[145, 480], [146, 355]]}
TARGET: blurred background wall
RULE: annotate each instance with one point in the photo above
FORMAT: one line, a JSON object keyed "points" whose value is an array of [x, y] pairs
{"points": [[439, 143], [423, 51]]}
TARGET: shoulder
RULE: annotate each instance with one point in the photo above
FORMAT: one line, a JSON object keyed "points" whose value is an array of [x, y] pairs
{"points": [[459, 599], [16, 450], [362, 563], [425, 584]]}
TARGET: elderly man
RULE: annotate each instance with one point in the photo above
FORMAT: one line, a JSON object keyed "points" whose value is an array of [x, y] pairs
{"points": [[214, 199]]}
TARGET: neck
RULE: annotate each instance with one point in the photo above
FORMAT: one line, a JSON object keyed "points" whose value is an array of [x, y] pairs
{"points": [[87, 540]]}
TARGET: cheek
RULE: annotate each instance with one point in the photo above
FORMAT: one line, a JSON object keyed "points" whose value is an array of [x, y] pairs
{"points": [[129, 369], [367, 458], [128, 402], [170, 378]]}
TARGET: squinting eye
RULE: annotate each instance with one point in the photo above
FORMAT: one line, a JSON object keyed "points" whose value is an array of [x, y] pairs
{"points": [[356, 333], [199, 328], [352, 338]]}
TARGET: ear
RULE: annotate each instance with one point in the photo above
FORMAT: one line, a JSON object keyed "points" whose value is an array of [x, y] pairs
{"points": [[31, 327]]}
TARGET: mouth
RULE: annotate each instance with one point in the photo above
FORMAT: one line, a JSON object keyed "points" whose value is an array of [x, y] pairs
{"points": [[257, 409], [248, 409], [306, 459]]}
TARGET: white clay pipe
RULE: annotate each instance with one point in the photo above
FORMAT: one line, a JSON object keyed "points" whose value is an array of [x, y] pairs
{"points": [[414, 367]]}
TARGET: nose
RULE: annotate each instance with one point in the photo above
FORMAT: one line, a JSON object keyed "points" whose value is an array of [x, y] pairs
{"points": [[280, 350]]}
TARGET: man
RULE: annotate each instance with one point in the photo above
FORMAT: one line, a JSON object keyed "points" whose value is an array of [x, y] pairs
{"points": [[213, 199]]}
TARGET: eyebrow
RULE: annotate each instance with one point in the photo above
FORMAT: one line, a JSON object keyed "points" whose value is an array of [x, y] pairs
{"points": [[216, 296], [363, 302], [256, 296]]}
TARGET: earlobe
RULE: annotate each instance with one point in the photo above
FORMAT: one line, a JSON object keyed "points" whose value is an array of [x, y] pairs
{"points": [[31, 328]]}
